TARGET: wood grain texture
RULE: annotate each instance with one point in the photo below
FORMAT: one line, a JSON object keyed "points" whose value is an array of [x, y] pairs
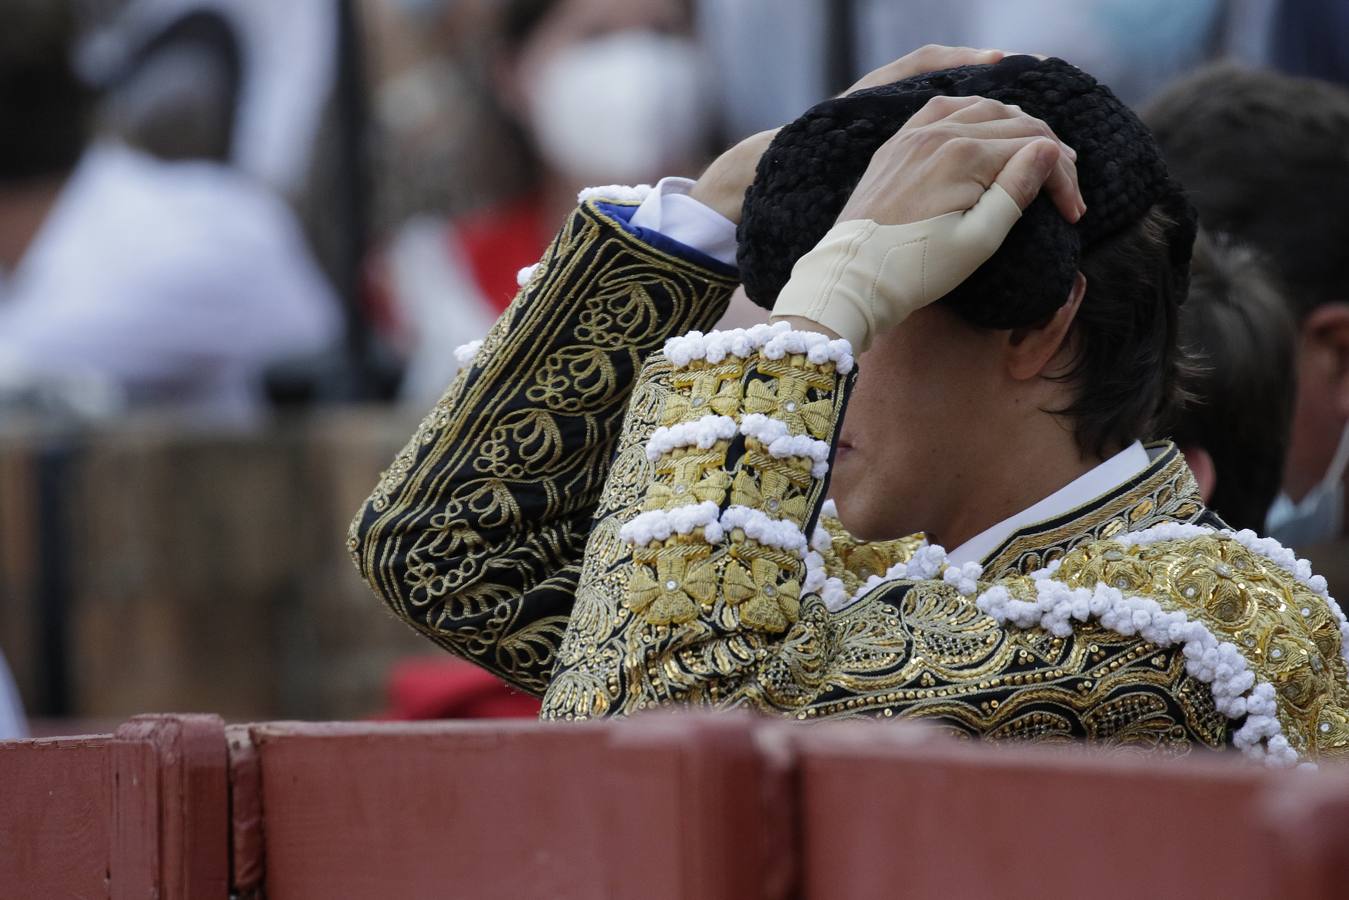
{"points": [[171, 836], [889, 812], [247, 850], [55, 822], [665, 808]]}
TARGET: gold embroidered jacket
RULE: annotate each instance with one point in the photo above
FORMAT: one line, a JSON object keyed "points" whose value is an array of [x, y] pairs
{"points": [[616, 528]]}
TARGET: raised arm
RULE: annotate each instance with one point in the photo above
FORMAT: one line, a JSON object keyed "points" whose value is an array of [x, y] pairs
{"points": [[474, 535]]}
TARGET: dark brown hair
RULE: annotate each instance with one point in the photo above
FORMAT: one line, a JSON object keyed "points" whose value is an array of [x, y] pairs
{"points": [[44, 106], [1239, 395], [1126, 359], [1266, 159]]}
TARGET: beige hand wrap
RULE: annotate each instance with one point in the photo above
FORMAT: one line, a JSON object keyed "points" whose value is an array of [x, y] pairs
{"points": [[863, 279]]}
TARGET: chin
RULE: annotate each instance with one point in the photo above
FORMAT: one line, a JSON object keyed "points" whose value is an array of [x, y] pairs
{"points": [[864, 511]]}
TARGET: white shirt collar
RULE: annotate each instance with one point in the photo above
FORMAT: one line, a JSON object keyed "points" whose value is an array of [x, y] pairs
{"points": [[1091, 484]]}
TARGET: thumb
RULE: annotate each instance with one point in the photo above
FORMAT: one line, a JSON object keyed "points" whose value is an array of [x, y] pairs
{"points": [[1028, 170]]}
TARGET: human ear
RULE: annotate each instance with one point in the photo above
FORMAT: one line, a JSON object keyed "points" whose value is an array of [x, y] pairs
{"points": [[1326, 332], [1201, 465], [1029, 351]]}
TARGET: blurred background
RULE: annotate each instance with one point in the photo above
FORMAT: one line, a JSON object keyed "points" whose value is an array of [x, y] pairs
{"points": [[239, 240]]}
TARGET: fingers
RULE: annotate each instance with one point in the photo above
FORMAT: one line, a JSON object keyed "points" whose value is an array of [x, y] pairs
{"points": [[1029, 169], [974, 110], [979, 119], [1013, 123], [939, 108], [930, 58], [990, 160]]}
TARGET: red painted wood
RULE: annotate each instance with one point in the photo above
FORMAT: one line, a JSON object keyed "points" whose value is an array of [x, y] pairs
{"points": [[659, 808], [55, 828], [888, 814], [669, 807], [171, 814], [247, 852]]}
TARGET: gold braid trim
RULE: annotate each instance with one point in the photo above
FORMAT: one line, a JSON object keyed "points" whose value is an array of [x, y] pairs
{"points": [[1287, 634], [676, 580], [475, 534]]}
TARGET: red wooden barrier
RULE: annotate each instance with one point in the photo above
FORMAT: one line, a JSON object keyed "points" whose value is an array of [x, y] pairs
{"points": [[670, 807], [138, 814], [663, 807], [890, 814], [55, 817]]}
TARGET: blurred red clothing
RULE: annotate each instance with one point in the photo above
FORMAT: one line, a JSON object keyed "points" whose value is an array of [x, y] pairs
{"points": [[437, 286], [499, 243], [449, 688]]}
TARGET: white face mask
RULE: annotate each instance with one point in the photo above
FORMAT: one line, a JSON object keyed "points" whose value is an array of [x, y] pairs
{"points": [[620, 109], [1317, 517]]}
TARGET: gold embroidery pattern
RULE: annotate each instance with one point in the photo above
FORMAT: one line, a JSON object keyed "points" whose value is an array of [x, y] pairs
{"points": [[914, 649], [1164, 492], [1286, 633], [853, 561], [673, 580], [475, 533]]}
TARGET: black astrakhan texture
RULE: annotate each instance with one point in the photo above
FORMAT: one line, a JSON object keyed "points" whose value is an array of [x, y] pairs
{"points": [[813, 164]]}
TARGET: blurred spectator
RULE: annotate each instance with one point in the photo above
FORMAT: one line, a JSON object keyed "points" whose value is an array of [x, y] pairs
{"points": [[443, 146], [1266, 158], [602, 91], [130, 280], [780, 56], [176, 97], [272, 65], [1233, 424], [439, 688]]}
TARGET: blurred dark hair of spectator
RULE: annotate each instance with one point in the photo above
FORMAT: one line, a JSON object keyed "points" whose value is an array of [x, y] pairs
{"points": [[1266, 160], [1234, 419], [45, 106], [177, 96]]}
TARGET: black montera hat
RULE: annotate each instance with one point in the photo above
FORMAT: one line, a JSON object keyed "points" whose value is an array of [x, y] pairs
{"points": [[813, 164]]}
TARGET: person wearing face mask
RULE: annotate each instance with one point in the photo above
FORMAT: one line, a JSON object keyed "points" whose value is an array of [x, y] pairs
{"points": [[1264, 157], [578, 77]]}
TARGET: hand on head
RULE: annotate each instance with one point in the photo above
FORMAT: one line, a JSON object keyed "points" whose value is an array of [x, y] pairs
{"points": [[964, 155], [955, 149], [722, 186], [935, 202]]}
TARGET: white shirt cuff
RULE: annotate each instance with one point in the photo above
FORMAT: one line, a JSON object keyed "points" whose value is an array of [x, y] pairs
{"points": [[669, 210]]}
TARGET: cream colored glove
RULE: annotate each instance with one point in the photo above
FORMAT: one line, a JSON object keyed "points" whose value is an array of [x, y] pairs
{"points": [[863, 279]]}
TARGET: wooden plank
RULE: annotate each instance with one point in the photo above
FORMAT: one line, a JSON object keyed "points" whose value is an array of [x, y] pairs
{"points": [[247, 849], [55, 822], [887, 812], [663, 808], [171, 809]]}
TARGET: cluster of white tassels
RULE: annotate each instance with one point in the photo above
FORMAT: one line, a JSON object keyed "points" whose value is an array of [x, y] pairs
{"points": [[1218, 664], [702, 433], [773, 341], [1270, 549]]}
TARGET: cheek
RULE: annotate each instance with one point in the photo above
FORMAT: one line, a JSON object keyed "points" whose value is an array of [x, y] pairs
{"points": [[883, 398]]}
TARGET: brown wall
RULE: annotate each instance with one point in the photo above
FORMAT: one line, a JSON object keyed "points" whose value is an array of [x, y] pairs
{"points": [[204, 570]]}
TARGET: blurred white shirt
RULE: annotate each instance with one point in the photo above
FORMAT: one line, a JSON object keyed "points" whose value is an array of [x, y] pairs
{"points": [[173, 284]]}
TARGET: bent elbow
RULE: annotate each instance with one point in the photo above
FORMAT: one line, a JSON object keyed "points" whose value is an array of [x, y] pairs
{"points": [[377, 568]]}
